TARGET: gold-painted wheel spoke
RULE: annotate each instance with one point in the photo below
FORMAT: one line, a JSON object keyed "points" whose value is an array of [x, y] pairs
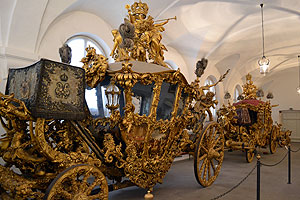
{"points": [[220, 159], [65, 194], [216, 141], [202, 157], [213, 166], [84, 184], [202, 166], [210, 134], [208, 168], [204, 148], [93, 185], [86, 176], [218, 148], [215, 133]]}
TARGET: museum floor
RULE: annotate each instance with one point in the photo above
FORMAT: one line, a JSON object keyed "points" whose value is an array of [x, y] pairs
{"points": [[180, 183]]}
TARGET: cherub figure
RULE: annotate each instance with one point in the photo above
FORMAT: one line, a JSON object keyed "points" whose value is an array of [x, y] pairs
{"points": [[117, 52]]}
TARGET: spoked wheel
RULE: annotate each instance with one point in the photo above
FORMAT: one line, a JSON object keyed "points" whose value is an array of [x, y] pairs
{"points": [[79, 182], [250, 153], [284, 138], [273, 139], [209, 154]]}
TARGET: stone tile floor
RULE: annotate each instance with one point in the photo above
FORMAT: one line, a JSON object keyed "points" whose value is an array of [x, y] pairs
{"points": [[180, 183]]}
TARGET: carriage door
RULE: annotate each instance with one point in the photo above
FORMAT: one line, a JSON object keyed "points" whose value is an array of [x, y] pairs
{"points": [[166, 101]]}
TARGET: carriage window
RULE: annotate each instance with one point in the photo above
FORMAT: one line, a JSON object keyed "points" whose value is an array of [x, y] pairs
{"points": [[92, 101], [142, 98], [181, 103], [166, 101], [97, 100]]}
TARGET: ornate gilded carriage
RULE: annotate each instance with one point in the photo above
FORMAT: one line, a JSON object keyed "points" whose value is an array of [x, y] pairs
{"points": [[146, 115], [150, 114], [249, 124]]}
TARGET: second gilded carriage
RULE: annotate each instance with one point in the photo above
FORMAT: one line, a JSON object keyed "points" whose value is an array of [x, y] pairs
{"points": [[248, 124]]}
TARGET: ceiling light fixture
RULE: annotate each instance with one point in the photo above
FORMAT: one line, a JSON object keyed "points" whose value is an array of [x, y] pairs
{"points": [[298, 88], [263, 62]]}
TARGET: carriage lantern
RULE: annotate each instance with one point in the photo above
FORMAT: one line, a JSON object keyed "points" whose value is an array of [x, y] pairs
{"points": [[112, 94]]}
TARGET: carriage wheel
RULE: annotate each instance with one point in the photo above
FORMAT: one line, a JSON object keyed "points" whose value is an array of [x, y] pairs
{"points": [[209, 154], [250, 153], [284, 138], [79, 182], [273, 140]]}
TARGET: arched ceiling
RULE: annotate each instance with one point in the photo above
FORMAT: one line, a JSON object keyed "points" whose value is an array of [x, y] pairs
{"points": [[227, 32]]}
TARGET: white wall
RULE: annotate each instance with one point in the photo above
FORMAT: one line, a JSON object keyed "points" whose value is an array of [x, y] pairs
{"points": [[71, 24], [283, 86]]}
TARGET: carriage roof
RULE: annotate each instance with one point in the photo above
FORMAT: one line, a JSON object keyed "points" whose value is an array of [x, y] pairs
{"points": [[143, 68], [251, 102], [140, 67]]}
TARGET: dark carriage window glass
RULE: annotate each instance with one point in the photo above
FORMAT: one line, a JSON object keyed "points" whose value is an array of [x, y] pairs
{"points": [[142, 98], [181, 103], [166, 101], [253, 116]]}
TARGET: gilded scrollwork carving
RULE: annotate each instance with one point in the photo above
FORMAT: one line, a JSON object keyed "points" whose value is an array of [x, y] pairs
{"points": [[95, 66]]}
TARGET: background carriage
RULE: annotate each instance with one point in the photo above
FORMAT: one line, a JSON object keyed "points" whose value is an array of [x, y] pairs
{"points": [[249, 124]]}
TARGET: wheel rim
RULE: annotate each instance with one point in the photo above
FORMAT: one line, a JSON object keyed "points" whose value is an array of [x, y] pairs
{"points": [[80, 182], [209, 155], [249, 155], [273, 140], [250, 152]]}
